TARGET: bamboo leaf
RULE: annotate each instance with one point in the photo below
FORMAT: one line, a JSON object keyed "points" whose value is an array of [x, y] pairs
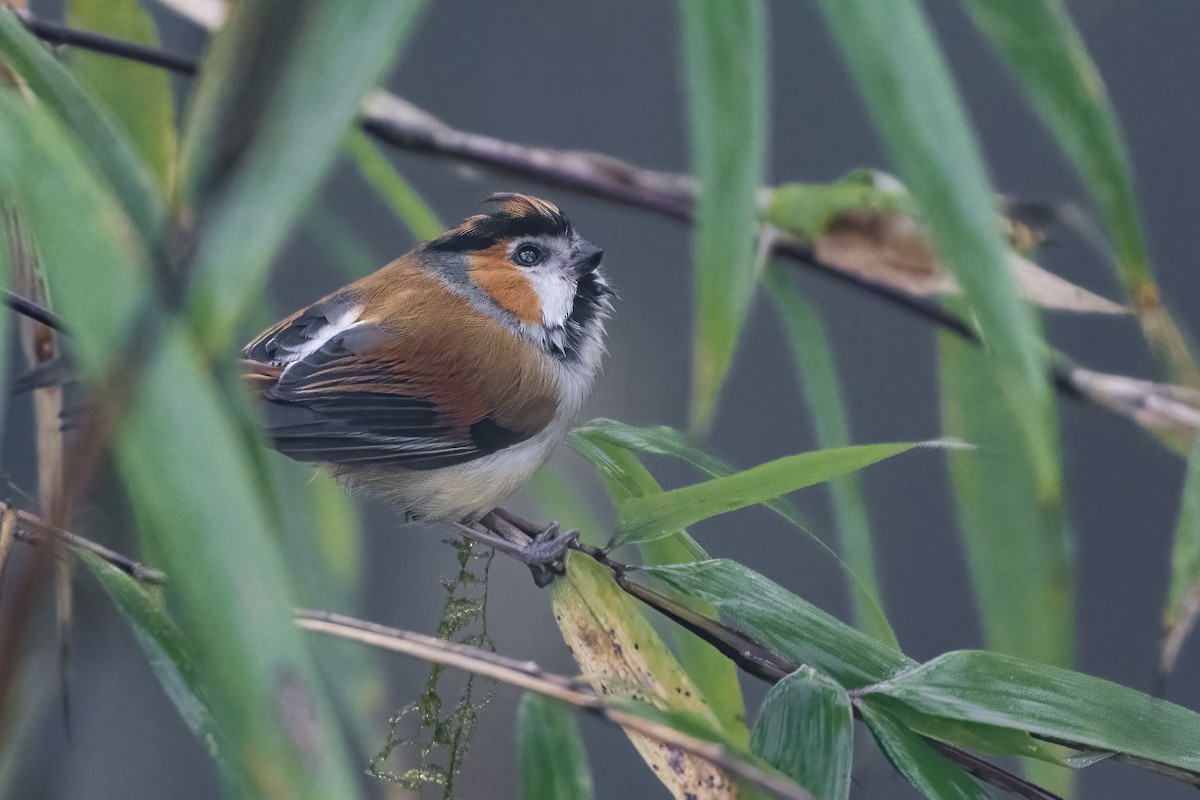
{"points": [[621, 656], [251, 166], [805, 729], [783, 622], [715, 675], [1069, 707], [1183, 601], [920, 764], [648, 518], [908, 89], [725, 53], [816, 366], [137, 95], [109, 148], [1014, 530], [1042, 46], [391, 187], [197, 498], [553, 761], [167, 652]]}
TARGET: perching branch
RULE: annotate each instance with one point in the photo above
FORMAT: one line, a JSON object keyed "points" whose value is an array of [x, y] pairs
{"points": [[528, 676]]}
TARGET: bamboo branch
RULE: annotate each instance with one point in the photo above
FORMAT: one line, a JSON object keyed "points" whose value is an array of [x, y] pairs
{"points": [[528, 676]]}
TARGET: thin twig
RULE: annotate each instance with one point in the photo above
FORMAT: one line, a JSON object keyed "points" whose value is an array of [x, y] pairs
{"points": [[32, 529], [527, 675], [55, 33]]}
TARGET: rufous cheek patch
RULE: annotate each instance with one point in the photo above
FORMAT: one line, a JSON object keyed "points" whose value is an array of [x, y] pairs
{"points": [[508, 286]]}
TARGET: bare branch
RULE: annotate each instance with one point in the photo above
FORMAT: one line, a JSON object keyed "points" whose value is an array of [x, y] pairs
{"points": [[527, 675]]}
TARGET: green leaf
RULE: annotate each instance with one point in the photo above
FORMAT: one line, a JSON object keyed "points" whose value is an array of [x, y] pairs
{"points": [[725, 53], [553, 761], [818, 372], [908, 89], [167, 652], [1014, 530], [805, 209], [1070, 707], [1042, 46], [805, 729], [1183, 602], [648, 518], [391, 187], [137, 95], [199, 503], [783, 622], [84, 240], [108, 147], [251, 166], [715, 675], [925, 768]]}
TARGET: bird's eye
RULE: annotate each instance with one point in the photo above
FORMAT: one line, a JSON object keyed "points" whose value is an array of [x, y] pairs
{"points": [[527, 255]]}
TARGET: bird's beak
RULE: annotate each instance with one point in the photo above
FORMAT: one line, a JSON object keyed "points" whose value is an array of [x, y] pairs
{"points": [[587, 258]]}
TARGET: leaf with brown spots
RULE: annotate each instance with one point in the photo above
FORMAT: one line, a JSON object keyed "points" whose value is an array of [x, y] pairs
{"points": [[620, 655]]}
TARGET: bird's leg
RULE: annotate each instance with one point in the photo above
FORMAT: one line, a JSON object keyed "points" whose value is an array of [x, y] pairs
{"points": [[542, 549]]}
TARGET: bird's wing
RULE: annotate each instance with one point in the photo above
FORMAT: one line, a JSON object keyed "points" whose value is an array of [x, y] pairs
{"points": [[421, 390]]}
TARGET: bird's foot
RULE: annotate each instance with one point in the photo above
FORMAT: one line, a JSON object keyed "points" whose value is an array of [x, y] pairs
{"points": [[543, 550]]}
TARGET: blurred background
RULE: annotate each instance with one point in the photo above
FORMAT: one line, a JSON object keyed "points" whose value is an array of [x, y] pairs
{"points": [[606, 77]]}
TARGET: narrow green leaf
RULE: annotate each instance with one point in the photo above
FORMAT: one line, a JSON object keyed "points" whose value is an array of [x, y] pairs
{"points": [[648, 518], [391, 187], [1042, 46], [804, 210], [251, 166], [198, 501], [108, 146], [805, 729], [1071, 707], [1014, 530], [908, 89], [167, 652], [553, 761], [817, 371], [780, 620], [84, 239], [1183, 601], [923, 767], [137, 95], [715, 675], [725, 53]]}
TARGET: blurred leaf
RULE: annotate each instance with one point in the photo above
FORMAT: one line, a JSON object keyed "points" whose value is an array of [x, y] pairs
{"points": [[621, 656], [647, 518], [876, 234], [1070, 707], [909, 91], [714, 674], [1014, 530], [107, 146], [1045, 51], [725, 53], [553, 761], [817, 370], [805, 729], [343, 248], [251, 166], [783, 622], [167, 652], [187, 469], [137, 95], [1183, 602], [391, 187], [85, 242], [925, 768]]}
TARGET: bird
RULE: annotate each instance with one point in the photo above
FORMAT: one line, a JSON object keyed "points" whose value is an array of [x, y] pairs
{"points": [[441, 382]]}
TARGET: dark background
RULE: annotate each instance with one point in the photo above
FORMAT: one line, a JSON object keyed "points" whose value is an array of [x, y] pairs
{"points": [[606, 76]]}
